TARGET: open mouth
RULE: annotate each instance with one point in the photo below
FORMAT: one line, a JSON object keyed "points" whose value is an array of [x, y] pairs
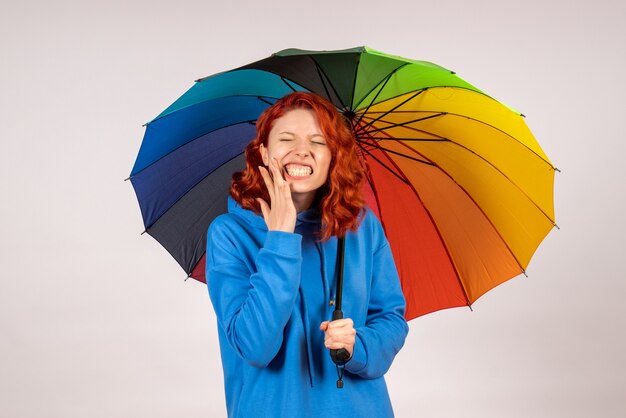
{"points": [[297, 170]]}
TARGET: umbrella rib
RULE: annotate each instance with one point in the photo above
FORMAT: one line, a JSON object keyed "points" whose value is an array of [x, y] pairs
{"points": [[198, 249], [434, 224], [323, 77], [379, 138], [382, 87], [250, 122], [466, 117], [387, 77], [454, 88], [189, 191], [373, 186], [508, 179], [443, 139], [360, 141], [264, 100], [477, 121], [356, 70], [469, 196], [478, 207], [392, 109], [191, 263], [284, 80], [412, 128], [396, 125], [401, 178], [477, 155]]}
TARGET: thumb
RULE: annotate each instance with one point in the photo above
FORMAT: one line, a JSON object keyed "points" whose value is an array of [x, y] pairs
{"points": [[324, 326]]}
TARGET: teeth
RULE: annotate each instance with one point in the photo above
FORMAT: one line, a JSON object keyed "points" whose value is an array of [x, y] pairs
{"points": [[298, 170]]}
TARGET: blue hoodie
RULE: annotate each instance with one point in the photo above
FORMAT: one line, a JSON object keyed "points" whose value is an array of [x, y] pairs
{"points": [[271, 290]]}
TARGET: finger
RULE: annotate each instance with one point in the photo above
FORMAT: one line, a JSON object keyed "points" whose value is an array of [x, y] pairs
{"points": [[336, 345], [341, 334], [277, 173], [267, 179], [348, 337], [324, 326], [282, 187], [279, 168], [341, 323]]}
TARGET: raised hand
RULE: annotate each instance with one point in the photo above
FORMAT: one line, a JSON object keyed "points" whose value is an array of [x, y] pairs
{"points": [[281, 216]]}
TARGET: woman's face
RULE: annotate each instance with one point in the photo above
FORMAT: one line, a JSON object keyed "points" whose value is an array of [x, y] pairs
{"points": [[299, 146]]}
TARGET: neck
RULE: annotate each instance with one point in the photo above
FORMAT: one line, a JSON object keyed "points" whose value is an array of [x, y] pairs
{"points": [[302, 201]]}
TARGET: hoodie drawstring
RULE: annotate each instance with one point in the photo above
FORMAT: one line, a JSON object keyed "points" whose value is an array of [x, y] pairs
{"points": [[307, 336], [305, 317]]}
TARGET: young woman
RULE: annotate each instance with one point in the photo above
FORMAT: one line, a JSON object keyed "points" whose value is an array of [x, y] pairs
{"points": [[271, 273]]}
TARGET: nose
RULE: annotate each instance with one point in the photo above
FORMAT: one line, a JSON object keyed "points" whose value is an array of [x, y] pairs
{"points": [[302, 153], [302, 149]]}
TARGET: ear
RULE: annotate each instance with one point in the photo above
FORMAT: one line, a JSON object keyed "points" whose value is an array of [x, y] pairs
{"points": [[264, 155]]}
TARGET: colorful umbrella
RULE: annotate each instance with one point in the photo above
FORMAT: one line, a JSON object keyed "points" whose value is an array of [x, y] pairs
{"points": [[461, 186]]}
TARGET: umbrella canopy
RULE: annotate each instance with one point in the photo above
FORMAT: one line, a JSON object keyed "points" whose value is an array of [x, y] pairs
{"points": [[459, 183]]}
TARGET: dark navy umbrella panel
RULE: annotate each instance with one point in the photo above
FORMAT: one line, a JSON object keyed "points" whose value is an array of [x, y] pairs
{"points": [[163, 183], [182, 229]]}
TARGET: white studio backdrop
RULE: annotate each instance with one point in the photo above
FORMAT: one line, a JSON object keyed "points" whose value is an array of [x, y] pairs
{"points": [[97, 320]]}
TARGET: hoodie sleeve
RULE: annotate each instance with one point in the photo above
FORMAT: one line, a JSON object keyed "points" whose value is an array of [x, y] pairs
{"points": [[253, 302], [385, 329]]}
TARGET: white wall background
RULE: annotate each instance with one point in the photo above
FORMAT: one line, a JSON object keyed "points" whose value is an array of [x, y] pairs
{"points": [[96, 320]]}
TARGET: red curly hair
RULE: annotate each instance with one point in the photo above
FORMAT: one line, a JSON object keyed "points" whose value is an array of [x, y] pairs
{"points": [[340, 199]]}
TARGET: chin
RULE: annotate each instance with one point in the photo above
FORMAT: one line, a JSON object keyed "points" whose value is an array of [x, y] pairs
{"points": [[304, 188]]}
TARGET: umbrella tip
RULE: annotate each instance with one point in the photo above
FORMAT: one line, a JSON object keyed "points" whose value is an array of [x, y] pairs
{"points": [[470, 307], [144, 231], [556, 226], [127, 178]]}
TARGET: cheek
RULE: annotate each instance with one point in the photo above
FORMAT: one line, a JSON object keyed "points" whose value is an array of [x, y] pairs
{"points": [[325, 167], [276, 152], [327, 160]]}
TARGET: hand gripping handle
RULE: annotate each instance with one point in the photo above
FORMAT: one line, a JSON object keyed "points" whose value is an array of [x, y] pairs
{"points": [[340, 356]]}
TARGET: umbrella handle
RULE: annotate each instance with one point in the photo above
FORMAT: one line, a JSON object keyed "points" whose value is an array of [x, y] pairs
{"points": [[340, 356]]}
